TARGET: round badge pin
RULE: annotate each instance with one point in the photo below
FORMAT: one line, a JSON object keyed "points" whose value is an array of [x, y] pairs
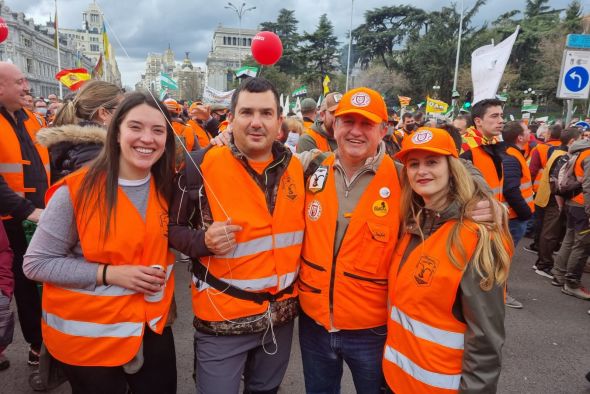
{"points": [[380, 208], [384, 192]]}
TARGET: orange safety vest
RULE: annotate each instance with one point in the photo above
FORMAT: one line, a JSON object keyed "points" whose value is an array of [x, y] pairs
{"points": [[543, 149], [223, 125], [182, 130], [484, 163], [348, 289], [267, 255], [307, 124], [104, 327], [11, 159], [579, 172], [203, 137], [425, 342], [321, 142], [526, 187]]}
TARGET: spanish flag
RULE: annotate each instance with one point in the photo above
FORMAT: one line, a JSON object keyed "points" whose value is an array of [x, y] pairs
{"points": [[404, 101], [73, 78]]}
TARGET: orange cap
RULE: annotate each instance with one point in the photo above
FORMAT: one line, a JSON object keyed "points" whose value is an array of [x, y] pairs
{"points": [[363, 101], [429, 139], [195, 105], [173, 106]]}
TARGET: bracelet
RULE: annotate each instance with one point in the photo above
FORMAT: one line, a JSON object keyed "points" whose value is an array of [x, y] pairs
{"points": [[104, 275]]}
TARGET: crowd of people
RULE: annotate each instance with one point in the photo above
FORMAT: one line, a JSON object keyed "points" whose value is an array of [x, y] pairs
{"points": [[390, 239]]}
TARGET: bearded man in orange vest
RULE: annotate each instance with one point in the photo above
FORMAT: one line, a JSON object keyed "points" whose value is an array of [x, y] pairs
{"points": [[24, 165], [240, 219], [321, 134]]}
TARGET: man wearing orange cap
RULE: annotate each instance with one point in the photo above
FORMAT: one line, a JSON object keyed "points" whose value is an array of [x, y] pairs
{"points": [[352, 221], [321, 134], [199, 113], [180, 129]]}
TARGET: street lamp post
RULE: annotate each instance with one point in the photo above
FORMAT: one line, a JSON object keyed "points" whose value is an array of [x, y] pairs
{"points": [[240, 12], [457, 58], [349, 44]]}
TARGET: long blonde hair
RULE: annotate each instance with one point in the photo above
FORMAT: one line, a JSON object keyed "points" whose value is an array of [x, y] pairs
{"points": [[491, 258]]}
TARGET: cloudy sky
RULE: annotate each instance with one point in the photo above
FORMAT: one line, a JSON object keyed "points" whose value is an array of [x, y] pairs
{"points": [[144, 26]]}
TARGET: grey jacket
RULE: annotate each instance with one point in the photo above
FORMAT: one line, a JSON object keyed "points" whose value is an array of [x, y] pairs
{"points": [[482, 312]]}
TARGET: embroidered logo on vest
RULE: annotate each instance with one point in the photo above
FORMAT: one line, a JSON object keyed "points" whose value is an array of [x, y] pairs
{"points": [[314, 210], [424, 270], [317, 181]]}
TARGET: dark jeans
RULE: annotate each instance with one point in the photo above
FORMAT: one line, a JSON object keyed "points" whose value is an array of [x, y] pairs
{"points": [[552, 232], [156, 376], [575, 248], [324, 352], [537, 224], [517, 229], [26, 294]]}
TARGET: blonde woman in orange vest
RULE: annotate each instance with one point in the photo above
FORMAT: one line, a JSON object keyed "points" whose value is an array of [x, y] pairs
{"points": [[446, 283], [102, 253]]}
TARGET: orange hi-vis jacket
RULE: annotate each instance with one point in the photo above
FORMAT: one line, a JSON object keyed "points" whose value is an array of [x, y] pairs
{"points": [[11, 159], [267, 255], [203, 137], [347, 289], [579, 173], [543, 149], [321, 142], [526, 187], [485, 164], [104, 327], [223, 126], [425, 342], [185, 132]]}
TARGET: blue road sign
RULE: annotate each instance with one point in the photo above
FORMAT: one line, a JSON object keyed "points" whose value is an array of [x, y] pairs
{"points": [[576, 79], [578, 41]]}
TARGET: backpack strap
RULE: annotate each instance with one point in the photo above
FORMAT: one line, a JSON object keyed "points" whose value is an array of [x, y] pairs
{"points": [[315, 163]]}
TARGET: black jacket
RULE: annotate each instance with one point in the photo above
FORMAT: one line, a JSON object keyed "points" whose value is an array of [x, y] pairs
{"points": [[71, 146], [511, 186]]}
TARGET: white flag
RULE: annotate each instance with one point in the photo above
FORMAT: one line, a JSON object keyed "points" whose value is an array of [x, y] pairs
{"points": [[297, 108], [286, 106], [487, 67]]}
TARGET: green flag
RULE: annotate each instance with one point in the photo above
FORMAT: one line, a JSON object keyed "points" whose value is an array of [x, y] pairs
{"points": [[167, 82], [300, 92], [532, 108], [247, 71]]}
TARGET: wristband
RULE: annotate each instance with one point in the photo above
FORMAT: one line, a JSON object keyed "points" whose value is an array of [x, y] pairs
{"points": [[104, 275]]}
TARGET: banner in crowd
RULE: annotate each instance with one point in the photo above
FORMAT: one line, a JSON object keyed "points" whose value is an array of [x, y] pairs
{"points": [[404, 101], [211, 95], [300, 92], [73, 78], [326, 84], [435, 106], [167, 82], [487, 67], [247, 71]]}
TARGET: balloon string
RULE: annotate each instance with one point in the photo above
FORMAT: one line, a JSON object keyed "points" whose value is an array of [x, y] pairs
{"points": [[205, 182]]}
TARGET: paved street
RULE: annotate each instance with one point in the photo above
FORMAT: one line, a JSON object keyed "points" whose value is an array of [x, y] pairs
{"points": [[547, 347]]}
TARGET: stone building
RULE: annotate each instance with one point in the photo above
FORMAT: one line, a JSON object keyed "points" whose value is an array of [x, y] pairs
{"points": [[31, 48], [228, 47], [188, 77], [89, 41]]}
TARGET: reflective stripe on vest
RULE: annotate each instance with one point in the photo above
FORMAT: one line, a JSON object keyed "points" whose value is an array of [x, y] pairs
{"points": [[269, 282], [449, 382], [93, 330], [11, 168], [450, 339], [113, 290], [265, 244]]}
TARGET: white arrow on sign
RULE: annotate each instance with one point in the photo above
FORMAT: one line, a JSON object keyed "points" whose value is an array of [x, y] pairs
{"points": [[579, 77]]}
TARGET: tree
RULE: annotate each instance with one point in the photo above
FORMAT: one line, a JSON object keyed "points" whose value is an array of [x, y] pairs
{"points": [[286, 28], [320, 51], [389, 83]]}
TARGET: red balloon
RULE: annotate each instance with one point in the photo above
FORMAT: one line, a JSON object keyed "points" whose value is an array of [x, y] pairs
{"points": [[267, 48], [3, 30]]}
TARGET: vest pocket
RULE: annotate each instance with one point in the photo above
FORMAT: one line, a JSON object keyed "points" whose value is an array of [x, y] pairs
{"points": [[375, 237], [301, 285]]}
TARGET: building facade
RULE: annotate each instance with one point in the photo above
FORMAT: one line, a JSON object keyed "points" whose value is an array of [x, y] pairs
{"points": [[228, 47], [188, 77], [31, 48], [88, 40]]}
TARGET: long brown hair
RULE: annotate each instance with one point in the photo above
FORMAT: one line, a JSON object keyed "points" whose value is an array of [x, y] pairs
{"points": [[102, 179], [491, 258], [92, 96]]}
